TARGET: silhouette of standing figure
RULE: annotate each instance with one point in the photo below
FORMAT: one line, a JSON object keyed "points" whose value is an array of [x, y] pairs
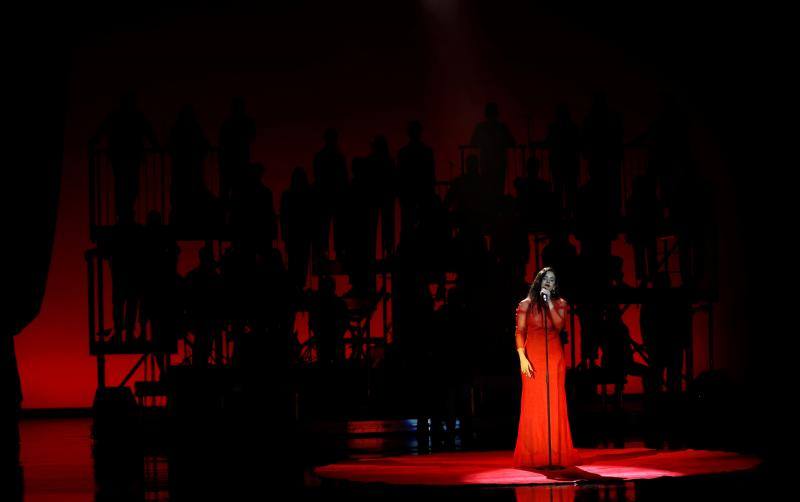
{"points": [[252, 213], [204, 288], [382, 177], [510, 246], [235, 138], [465, 199], [328, 320], [277, 301], [668, 148], [189, 148], [602, 143], [126, 279], [666, 327], [298, 212], [691, 217], [127, 130], [159, 274], [493, 139], [357, 230], [240, 300], [417, 177], [330, 187], [561, 255], [595, 232], [536, 203], [645, 220], [563, 139], [616, 341]]}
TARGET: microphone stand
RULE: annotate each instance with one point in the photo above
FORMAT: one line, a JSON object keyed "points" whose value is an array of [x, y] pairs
{"points": [[549, 466]]}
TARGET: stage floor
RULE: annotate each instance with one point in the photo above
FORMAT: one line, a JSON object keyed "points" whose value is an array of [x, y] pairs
{"points": [[57, 463], [493, 467]]}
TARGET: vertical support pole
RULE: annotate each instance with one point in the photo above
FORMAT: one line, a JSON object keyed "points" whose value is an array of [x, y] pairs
{"points": [[92, 196], [100, 299], [368, 355], [710, 335], [572, 333], [163, 188]]}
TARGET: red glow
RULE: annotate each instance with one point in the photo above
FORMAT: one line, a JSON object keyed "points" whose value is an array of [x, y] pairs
{"points": [[434, 69], [57, 460], [494, 468]]}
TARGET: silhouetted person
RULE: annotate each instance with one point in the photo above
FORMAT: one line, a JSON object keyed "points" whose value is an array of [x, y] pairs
{"points": [[560, 255], [382, 191], [189, 148], [691, 217], [126, 279], [473, 264], [493, 139], [510, 245], [240, 302], [412, 312], [416, 173], [594, 230], [328, 320], [253, 214], [431, 237], [666, 327], [617, 351], [298, 219], [536, 202], [423, 369], [590, 316], [204, 288], [564, 141], [470, 259], [596, 225], [159, 275], [278, 300], [235, 138], [465, 199], [667, 141], [602, 141], [127, 131], [358, 226], [645, 221], [330, 187], [452, 366]]}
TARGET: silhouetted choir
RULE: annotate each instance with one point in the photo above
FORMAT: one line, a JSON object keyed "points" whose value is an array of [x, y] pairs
{"points": [[457, 270]]}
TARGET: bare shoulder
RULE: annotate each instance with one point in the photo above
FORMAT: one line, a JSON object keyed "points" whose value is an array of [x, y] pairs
{"points": [[562, 302], [525, 302]]}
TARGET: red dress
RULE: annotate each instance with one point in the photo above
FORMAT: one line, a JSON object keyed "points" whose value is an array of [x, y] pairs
{"points": [[532, 445]]}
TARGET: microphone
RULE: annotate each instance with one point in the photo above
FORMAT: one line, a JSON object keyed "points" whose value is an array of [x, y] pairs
{"points": [[545, 295]]}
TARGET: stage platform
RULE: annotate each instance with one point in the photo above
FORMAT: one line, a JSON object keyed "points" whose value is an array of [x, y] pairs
{"points": [[493, 468]]}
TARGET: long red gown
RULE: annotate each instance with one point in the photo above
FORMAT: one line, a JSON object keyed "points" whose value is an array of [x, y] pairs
{"points": [[532, 449]]}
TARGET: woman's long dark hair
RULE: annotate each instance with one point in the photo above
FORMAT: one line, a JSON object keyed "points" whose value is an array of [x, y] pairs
{"points": [[536, 286]]}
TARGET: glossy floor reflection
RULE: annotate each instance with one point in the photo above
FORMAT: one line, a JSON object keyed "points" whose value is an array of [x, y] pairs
{"points": [[56, 459], [494, 467], [60, 463]]}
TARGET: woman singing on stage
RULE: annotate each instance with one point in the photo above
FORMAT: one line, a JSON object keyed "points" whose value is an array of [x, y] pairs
{"points": [[544, 438]]}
